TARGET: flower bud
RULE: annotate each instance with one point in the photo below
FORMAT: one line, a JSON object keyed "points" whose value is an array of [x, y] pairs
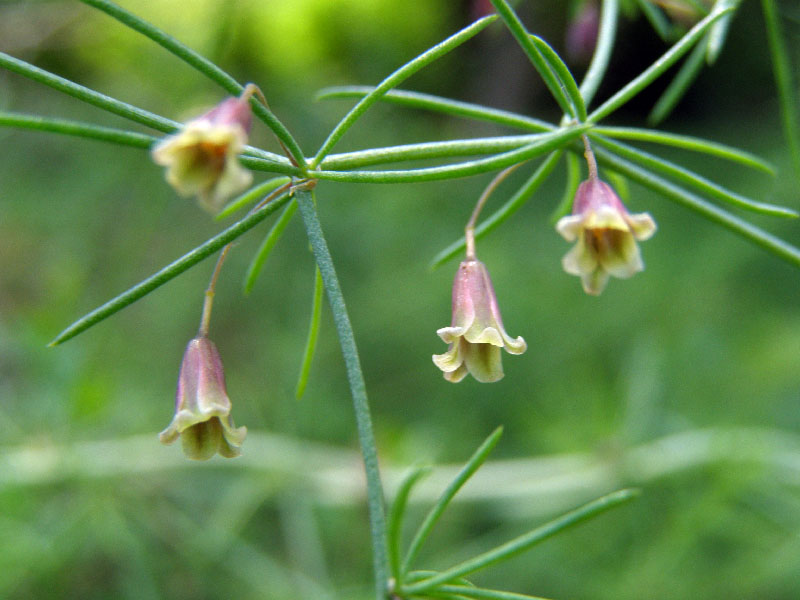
{"points": [[606, 236], [476, 334], [582, 32], [202, 409], [202, 158]]}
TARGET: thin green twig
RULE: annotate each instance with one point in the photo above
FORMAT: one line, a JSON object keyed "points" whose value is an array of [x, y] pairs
{"points": [[375, 497]]}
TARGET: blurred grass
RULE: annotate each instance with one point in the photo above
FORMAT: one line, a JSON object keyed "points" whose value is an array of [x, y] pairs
{"points": [[707, 337]]}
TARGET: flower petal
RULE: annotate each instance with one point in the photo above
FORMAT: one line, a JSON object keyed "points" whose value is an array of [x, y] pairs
{"points": [[642, 225], [570, 227], [484, 362], [595, 282]]}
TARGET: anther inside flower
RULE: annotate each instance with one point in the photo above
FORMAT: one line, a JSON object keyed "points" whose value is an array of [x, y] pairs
{"points": [[202, 159], [202, 409], [476, 334], [606, 236]]}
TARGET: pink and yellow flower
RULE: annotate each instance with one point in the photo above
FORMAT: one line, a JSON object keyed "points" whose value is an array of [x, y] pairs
{"points": [[476, 334], [606, 236], [202, 408], [202, 159]]}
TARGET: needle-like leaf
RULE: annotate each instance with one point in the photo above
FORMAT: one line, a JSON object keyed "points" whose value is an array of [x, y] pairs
{"points": [[523, 542], [169, 272], [395, 79], [659, 165], [455, 108], [655, 70], [465, 169], [202, 64], [472, 465], [688, 143], [313, 336]]}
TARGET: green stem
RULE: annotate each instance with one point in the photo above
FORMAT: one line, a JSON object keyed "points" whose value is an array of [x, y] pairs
{"points": [[375, 498], [202, 64]]}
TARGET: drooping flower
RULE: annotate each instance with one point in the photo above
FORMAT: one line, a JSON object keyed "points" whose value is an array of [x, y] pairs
{"points": [[606, 236], [202, 409], [476, 334], [202, 159]]}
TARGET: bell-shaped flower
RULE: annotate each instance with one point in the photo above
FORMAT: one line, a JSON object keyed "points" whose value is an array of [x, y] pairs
{"points": [[202, 409], [606, 236], [202, 159], [476, 335]]}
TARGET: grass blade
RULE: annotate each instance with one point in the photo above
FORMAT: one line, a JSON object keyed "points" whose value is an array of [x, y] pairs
{"points": [[688, 143], [455, 108], [715, 214], [504, 212], [529, 47], [313, 336], [397, 517], [523, 542], [472, 465], [787, 94], [257, 264], [169, 272], [546, 144], [203, 65], [657, 68], [395, 79], [680, 84], [659, 165]]}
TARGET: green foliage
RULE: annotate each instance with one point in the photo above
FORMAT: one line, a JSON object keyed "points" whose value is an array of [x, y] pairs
{"points": [[212, 536]]}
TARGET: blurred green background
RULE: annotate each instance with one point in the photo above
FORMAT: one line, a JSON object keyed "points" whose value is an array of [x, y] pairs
{"points": [[684, 380]]}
